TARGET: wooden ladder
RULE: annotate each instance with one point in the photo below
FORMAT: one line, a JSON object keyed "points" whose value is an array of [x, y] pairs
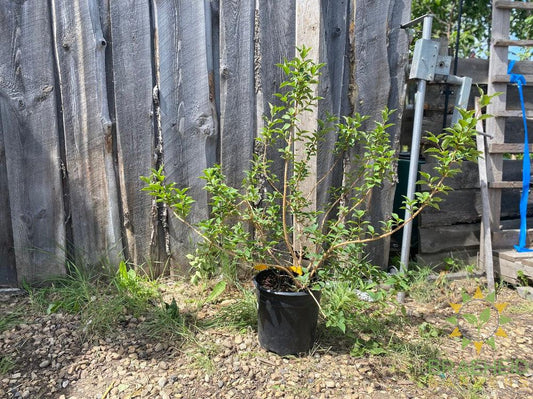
{"points": [[508, 263]]}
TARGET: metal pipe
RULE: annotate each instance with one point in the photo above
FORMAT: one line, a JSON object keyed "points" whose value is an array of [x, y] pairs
{"points": [[413, 163]]}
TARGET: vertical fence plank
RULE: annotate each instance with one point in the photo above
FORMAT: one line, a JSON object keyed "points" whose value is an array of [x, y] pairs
{"points": [[80, 47], [334, 52], [134, 115], [276, 39], [174, 122], [275, 30], [8, 270], [377, 43], [186, 107], [237, 96], [30, 134], [333, 88], [308, 33]]}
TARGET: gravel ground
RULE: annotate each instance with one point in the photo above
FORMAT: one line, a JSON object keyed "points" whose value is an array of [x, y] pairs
{"points": [[47, 356]]}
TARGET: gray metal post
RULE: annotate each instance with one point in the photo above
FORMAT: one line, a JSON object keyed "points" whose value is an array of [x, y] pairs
{"points": [[413, 164]]}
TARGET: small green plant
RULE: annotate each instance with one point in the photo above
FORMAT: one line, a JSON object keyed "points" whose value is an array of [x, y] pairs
{"points": [[241, 314], [165, 322], [136, 290], [6, 364], [68, 293], [428, 330], [13, 318], [268, 221], [370, 347], [522, 278]]}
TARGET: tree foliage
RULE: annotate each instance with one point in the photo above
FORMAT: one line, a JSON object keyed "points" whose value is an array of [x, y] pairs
{"points": [[475, 23]]}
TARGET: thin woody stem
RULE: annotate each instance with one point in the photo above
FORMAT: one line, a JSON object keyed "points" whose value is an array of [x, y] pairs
{"points": [[332, 248]]}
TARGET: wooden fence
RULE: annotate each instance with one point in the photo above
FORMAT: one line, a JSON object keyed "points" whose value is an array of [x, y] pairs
{"points": [[94, 93], [453, 230]]}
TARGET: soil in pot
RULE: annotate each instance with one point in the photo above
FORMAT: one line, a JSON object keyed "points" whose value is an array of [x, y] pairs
{"points": [[286, 320]]}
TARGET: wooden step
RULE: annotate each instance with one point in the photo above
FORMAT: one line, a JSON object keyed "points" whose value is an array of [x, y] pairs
{"points": [[505, 239], [513, 113], [508, 148], [510, 264], [516, 5], [510, 224], [505, 184], [506, 78], [509, 42]]}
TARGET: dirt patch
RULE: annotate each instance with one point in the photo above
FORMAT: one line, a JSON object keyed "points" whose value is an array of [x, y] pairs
{"points": [[49, 356]]}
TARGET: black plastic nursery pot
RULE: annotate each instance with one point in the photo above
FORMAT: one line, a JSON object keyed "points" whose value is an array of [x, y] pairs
{"points": [[286, 320]]}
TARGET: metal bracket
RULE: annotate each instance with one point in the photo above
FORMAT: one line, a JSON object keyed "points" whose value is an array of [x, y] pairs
{"points": [[424, 59], [444, 64]]}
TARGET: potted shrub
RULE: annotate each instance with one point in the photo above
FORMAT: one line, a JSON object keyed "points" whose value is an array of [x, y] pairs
{"points": [[267, 222]]}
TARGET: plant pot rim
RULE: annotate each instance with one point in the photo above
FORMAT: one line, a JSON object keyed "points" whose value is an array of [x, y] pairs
{"points": [[259, 287]]}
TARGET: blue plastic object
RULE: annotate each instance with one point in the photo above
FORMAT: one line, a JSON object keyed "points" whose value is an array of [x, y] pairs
{"points": [[520, 81]]}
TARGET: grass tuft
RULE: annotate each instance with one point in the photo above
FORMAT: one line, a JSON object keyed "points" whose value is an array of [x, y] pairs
{"points": [[240, 314]]}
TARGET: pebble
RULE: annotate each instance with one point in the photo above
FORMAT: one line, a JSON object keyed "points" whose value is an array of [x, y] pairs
{"points": [[54, 360], [162, 382]]}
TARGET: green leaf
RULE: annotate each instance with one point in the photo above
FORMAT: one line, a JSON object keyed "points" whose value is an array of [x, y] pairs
{"points": [[452, 320], [504, 319], [491, 297], [484, 316], [218, 289], [470, 318]]}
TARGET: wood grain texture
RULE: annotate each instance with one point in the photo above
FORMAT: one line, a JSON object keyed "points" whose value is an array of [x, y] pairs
{"points": [[188, 114], [134, 115], [448, 238], [333, 87], [308, 33], [80, 47], [29, 126], [237, 95], [8, 270], [95, 92], [496, 126], [379, 49], [275, 30]]}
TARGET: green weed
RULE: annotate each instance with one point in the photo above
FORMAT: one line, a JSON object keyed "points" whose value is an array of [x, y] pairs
{"points": [[11, 319], [165, 321], [103, 298], [67, 293], [240, 314], [413, 357], [6, 364]]}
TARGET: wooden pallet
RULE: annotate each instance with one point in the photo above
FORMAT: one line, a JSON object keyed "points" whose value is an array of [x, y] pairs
{"points": [[507, 262]]}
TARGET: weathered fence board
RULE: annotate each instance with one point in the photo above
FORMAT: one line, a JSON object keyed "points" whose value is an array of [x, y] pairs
{"points": [[29, 126], [133, 79], [80, 46], [275, 32], [187, 111], [237, 92], [8, 271], [333, 87], [376, 39], [94, 93]]}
